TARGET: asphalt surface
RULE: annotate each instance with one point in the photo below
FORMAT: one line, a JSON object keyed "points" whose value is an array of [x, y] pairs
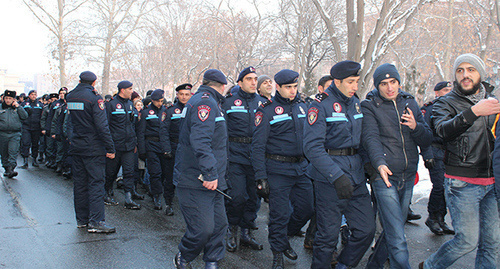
{"points": [[38, 230]]}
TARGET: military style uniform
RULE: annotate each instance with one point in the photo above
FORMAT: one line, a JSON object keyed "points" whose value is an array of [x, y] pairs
{"points": [[31, 129], [51, 145], [332, 137], [174, 114]]}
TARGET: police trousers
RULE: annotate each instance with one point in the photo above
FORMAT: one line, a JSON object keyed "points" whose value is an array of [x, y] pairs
{"points": [[124, 159], [242, 209], [157, 169], [30, 139]]}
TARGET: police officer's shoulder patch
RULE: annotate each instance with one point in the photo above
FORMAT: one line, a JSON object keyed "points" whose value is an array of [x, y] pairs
{"points": [[203, 112], [321, 96], [229, 94], [100, 102], [258, 118], [163, 116], [423, 111], [312, 115]]}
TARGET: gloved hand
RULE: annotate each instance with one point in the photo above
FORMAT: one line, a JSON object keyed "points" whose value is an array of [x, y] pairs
{"points": [[343, 187], [168, 155], [142, 156], [429, 164], [370, 172], [263, 188]]}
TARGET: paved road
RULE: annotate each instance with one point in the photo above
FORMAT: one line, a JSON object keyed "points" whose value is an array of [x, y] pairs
{"points": [[38, 230]]}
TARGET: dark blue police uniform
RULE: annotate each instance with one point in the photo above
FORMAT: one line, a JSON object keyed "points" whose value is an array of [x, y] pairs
{"points": [[90, 141], [174, 114], [277, 155], [240, 109], [50, 143], [332, 137], [121, 120], [31, 130], [202, 150]]}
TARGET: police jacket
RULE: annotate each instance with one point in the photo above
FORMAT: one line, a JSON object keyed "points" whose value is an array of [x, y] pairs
{"points": [[52, 110], [11, 118], [174, 114], [34, 110], [279, 132], [152, 130], [90, 131], [436, 150], [202, 148], [58, 121], [45, 114], [121, 120], [468, 139], [240, 108], [386, 140], [333, 122]]}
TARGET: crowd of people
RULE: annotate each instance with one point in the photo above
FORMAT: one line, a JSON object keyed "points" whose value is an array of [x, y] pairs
{"points": [[222, 152]]}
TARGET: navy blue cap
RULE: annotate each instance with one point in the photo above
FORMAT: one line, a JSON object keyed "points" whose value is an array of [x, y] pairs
{"points": [[185, 86], [54, 95], [345, 69], [215, 75], [23, 95], [32, 91], [385, 71], [157, 94], [88, 76], [245, 72], [124, 84], [63, 89], [286, 76], [9, 93], [441, 85]]}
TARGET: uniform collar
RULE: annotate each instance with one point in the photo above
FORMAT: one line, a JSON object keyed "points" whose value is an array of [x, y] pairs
{"points": [[218, 97], [246, 95], [334, 91], [121, 99], [284, 100]]}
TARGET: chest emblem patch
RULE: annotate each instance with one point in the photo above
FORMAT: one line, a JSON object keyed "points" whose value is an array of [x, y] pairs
{"points": [[177, 111], [337, 107], [118, 106], [279, 110], [237, 102], [151, 112]]}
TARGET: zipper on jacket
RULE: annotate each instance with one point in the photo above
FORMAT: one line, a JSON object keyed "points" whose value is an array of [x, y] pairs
{"points": [[489, 146], [401, 132]]}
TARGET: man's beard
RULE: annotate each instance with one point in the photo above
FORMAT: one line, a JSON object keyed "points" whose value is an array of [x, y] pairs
{"points": [[474, 90]]}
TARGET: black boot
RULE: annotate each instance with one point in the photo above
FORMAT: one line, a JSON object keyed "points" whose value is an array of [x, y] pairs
{"points": [[232, 238], [248, 240], [35, 163], [12, 173], [25, 163], [59, 168], [433, 223], [412, 216], [108, 199], [169, 211], [180, 263], [444, 226], [290, 253], [129, 203], [8, 172], [67, 173], [157, 202], [278, 260]]}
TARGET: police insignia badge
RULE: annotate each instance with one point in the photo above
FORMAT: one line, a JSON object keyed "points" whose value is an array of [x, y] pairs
{"points": [[279, 110], [237, 102], [337, 107], [258, 118], [177, 111], [302, 110], [357, 108], [312, 115], [118, 106], [101, 104], [163, 116], [139, 116], [423, 112], [151, 112], [203, 112]]}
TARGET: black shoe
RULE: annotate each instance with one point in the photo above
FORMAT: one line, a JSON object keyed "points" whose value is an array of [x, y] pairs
{"points": [[9, 172], [129, 203], [35, 163], [25, 164], [278, 262], [433, 225], [290, 254], [137, 196], [13, 173], [119, 183], [108, 200], [81, 225], [308, 243], [100, 227], [232, 238], [412, 216], [157, 202], [59, 168], [180, 263], [67, 173], [344, 234], [211, 265], [248, 240], [444, 226], [169, 211], [41, 159]]}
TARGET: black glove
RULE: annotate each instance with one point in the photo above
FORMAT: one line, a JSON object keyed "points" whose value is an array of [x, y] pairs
{"points": [[168, 155], [343, 187], [370, 172], [263, 188], [429, 164], [142, 156]]}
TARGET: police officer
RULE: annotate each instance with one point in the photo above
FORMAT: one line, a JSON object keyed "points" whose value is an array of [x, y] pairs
{"points": [[174, 113], [31, 129], [433, 158], [91, 143], [280, 165], [51, 146], [121, 120], [240, 110], [202, 156], [154, 144], [43, 122], [11, 117], [332, 137], [56, 132]]}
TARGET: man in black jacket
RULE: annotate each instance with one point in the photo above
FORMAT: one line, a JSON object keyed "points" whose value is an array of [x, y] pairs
{"points": [[31, 128], [464, 119]]}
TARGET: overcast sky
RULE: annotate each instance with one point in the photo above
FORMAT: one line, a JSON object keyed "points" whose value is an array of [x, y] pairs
{"points": [[23, 49]]}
